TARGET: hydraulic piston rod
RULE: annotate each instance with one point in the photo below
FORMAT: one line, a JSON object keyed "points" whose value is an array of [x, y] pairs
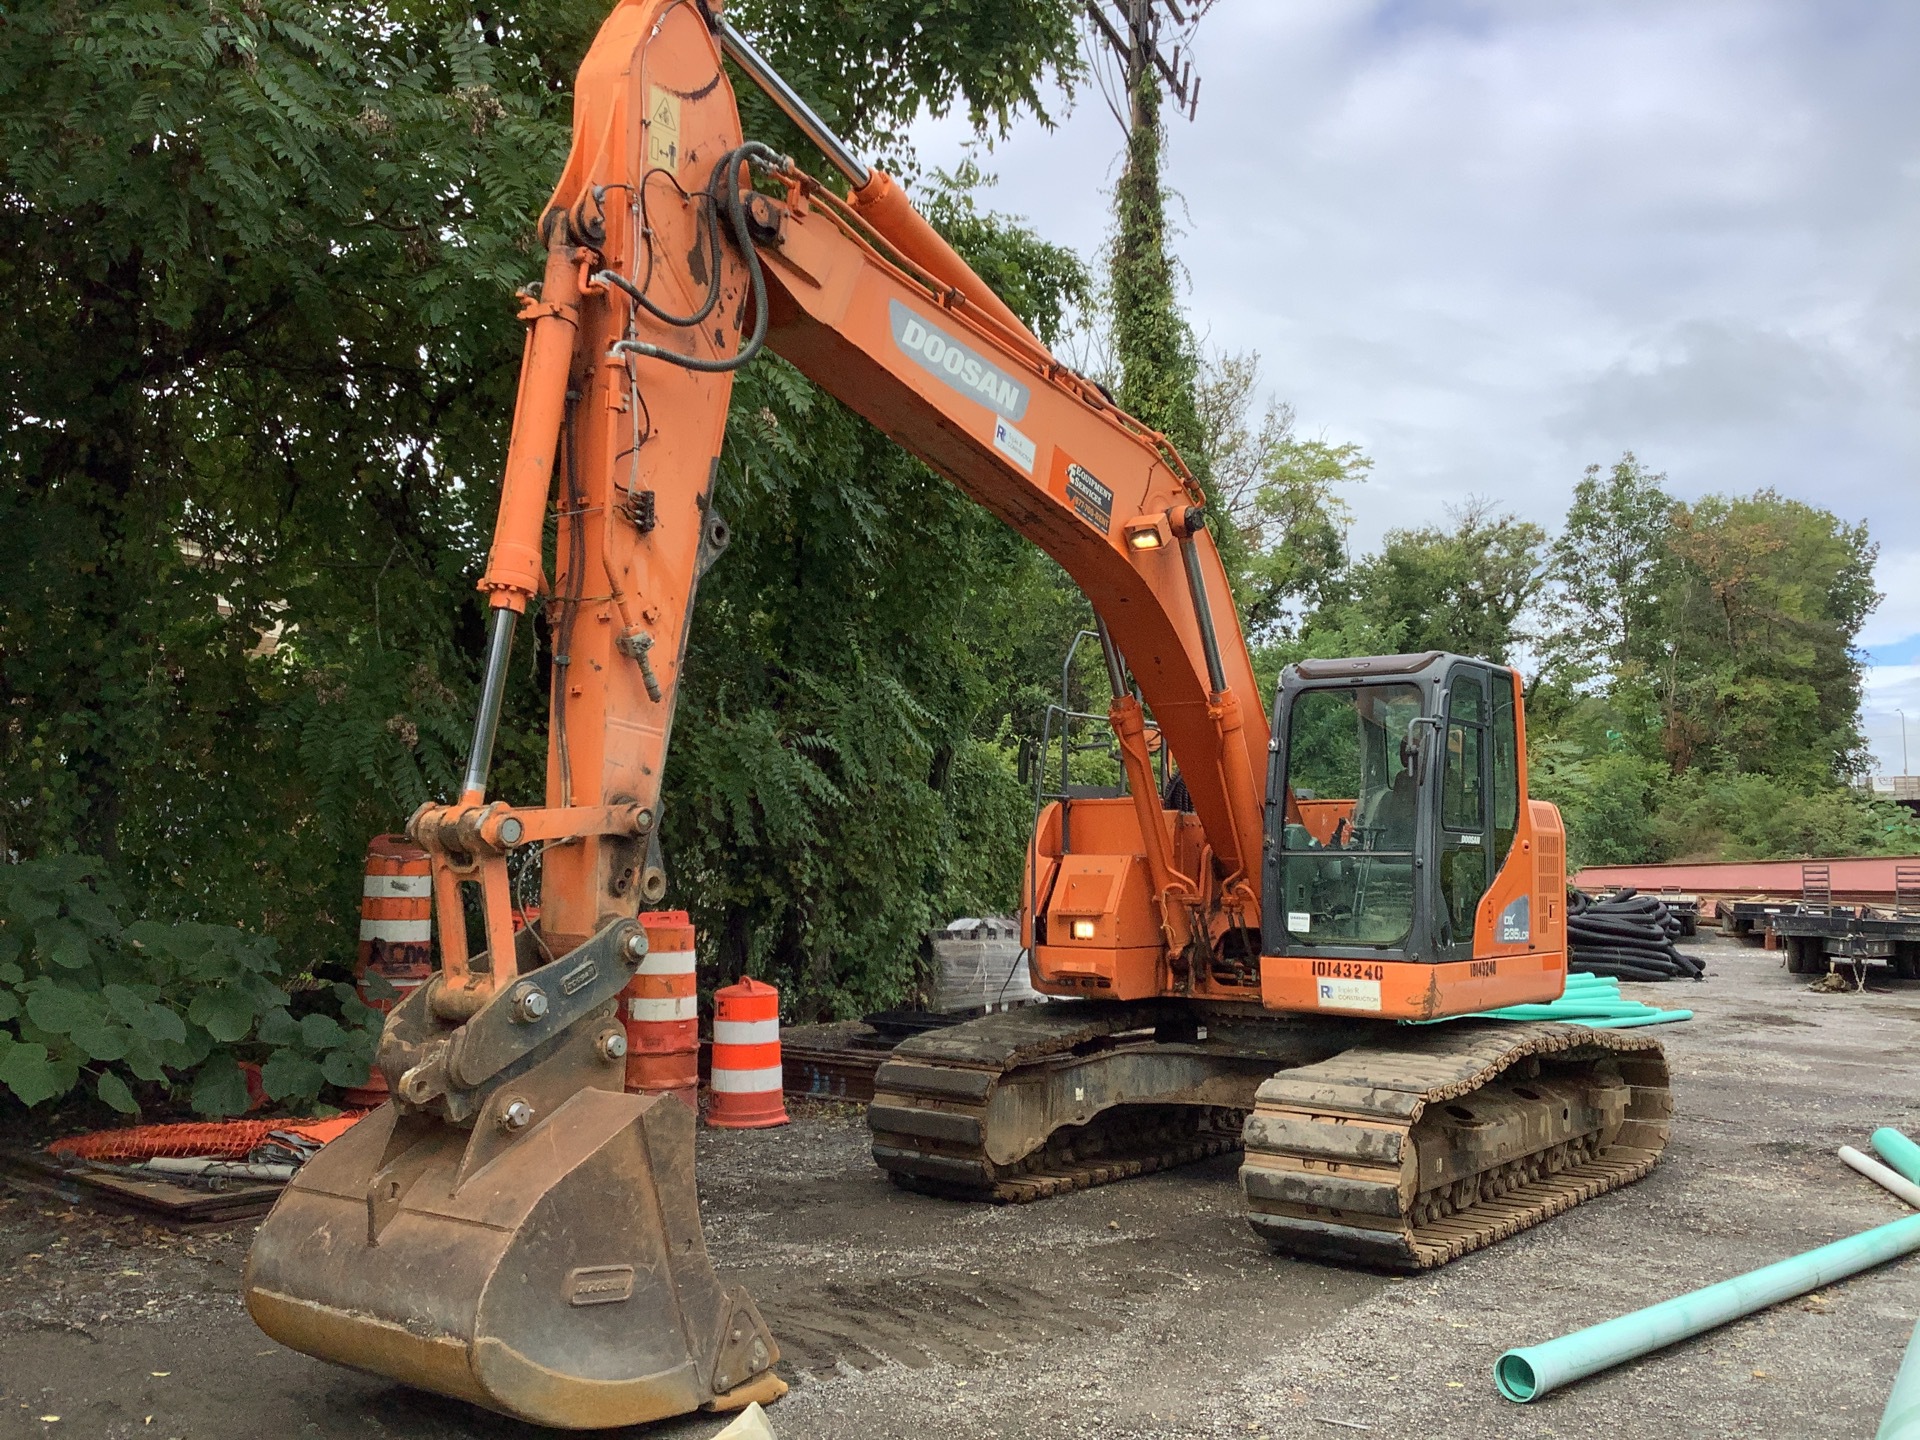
{"points": [[741, 52], [486, 719]]}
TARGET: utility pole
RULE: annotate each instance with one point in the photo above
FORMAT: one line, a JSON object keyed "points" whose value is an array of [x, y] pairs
{"points": [[1147, 42], [1140, 39], [1903, 742]]}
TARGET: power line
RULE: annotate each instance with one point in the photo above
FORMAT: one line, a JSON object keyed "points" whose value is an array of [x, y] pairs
{"points": [[1145, 36]]}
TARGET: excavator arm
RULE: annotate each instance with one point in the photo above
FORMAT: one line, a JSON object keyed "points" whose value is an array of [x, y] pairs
{"points": [[660, 255], [424, 1244]]}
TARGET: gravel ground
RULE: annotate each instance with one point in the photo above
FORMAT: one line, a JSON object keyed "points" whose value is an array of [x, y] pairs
{"points": [[1141, 1309]]}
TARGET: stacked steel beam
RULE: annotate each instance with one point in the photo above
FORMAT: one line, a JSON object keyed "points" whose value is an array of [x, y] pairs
{"points": [[1626, 935]]}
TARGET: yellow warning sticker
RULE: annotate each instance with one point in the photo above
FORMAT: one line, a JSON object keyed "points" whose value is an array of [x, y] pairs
{"points": [[663, 129]]}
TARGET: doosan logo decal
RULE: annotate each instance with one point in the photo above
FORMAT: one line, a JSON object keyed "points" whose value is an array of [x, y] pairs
{"points": [[960, 366]]}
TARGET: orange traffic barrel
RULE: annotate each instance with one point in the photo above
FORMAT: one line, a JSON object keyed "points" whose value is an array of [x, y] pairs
{"points": [[396, 934], [746, 1077], [661, 1011]]}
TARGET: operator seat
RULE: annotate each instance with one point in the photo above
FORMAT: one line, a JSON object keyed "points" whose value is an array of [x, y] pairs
{"points": [[1394, 814]]}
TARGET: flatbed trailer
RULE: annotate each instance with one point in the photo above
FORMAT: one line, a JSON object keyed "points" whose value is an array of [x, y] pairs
{"points": [[1815, 942], [1749, 920]]}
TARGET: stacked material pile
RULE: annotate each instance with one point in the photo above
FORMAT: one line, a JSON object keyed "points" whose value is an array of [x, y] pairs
{"points": [[205, 1153], [1591, 1000], [1626, 936]]}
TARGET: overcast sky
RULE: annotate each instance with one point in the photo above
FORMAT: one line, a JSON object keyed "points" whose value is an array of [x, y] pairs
{"points": [[1497, 242]]}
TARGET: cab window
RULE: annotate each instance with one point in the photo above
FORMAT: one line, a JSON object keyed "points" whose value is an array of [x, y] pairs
{"points": [[1352, 812], [1465, 865], [1506, 768]]}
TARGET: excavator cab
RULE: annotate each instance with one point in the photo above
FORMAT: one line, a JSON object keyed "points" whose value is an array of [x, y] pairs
{"points": [[1346, 852], [1400, 837], [1391, 769]]}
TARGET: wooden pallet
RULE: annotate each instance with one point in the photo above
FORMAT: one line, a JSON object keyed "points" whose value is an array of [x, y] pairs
{"points": [[75, 1181]]}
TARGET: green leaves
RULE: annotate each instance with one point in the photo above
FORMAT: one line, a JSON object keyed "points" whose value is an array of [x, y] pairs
{"points": [[113, 1091], [27, 1070], [224, 1013], [219, 1088], [345, 1068], [59, 1009], [322, 1032], [173, 1006], [287, 1075], [63, 942]]}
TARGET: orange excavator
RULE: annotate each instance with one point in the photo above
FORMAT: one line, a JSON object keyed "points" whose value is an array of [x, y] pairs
{"points": [[1242, 962]]}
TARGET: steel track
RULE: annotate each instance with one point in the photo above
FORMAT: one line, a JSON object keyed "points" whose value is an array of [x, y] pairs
{"points": [[1401, 1152]]}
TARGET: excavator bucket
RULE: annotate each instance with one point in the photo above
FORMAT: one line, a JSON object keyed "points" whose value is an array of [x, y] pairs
{"points": [[531, 1244]]}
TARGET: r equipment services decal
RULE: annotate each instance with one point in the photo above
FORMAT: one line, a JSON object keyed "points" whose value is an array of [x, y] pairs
{"points": [[1347, 984], [960, 366], [1090, 498]]}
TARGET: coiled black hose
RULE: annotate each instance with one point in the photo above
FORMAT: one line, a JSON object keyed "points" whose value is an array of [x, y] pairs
{"points": [[1626, 935], [723, 193]]}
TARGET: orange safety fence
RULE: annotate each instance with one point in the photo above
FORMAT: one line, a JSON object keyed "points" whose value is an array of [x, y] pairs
{"points": [[225, 1139]]}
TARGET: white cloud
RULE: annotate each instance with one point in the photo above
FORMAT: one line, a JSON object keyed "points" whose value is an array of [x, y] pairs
{"points": [[1496, 241]]}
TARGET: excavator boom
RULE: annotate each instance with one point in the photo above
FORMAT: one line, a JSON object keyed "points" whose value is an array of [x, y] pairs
{"points": [[515, 1230]]}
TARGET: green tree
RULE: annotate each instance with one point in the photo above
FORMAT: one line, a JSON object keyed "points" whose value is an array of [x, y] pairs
{"points": [[1284, 536], [1702, 697], [260, 358], [1759, 672], [1463, 589], [257, 360], [1608, 567]]}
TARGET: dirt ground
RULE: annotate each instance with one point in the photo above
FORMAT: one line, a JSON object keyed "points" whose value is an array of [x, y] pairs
{"points": [[1141, 1309]]}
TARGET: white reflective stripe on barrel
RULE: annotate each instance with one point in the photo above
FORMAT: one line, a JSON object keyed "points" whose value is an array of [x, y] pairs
{"points": [[403, 887], [745, 1032], [676, 1007], [401, 932], [667, 962], [747, 1082]]}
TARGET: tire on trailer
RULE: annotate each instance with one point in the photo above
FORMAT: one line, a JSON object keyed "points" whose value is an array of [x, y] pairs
{"points": [[1805, 955], [1906, 960]]}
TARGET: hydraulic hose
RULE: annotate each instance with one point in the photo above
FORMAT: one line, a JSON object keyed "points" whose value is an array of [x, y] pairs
{"points": [[724, 183]]}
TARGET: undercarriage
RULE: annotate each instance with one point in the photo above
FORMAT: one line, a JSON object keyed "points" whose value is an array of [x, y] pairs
{"points": [[1401, 1148]]}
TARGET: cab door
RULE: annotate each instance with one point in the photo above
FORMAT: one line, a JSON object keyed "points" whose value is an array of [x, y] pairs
{"points": [[1465, 848]]}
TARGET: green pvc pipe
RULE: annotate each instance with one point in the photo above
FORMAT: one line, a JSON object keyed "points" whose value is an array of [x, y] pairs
{"points": [[1573, 1009], [1898, 1151], [1528, 1373], [1901, 1419], [1664, 1017]]}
